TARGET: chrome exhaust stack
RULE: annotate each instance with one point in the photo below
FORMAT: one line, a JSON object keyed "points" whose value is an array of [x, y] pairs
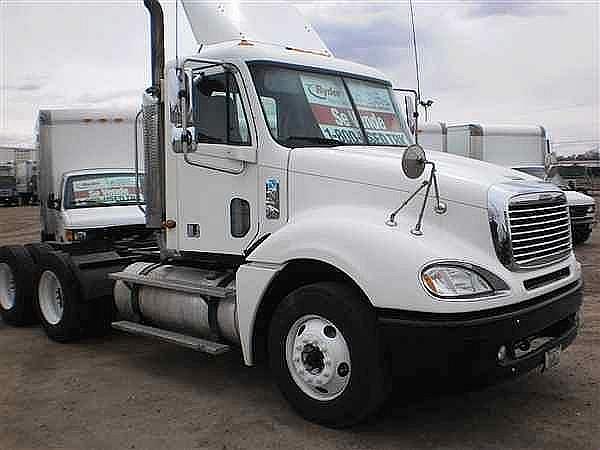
{"points": [[153, 123]]}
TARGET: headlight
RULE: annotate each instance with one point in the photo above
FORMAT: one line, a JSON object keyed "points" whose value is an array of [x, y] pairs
{"points": [[453, 281], [74, 235]]}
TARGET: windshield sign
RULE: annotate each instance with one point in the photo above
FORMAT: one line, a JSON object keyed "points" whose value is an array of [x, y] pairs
{"points": [[377, 113], [102, 190], [331, 108]]}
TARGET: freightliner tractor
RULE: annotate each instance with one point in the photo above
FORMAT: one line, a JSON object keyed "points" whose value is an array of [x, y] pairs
{"points": [[296, 220]]}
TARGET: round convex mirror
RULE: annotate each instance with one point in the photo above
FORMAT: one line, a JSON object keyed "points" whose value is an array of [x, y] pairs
{"points": [[413, 161]]}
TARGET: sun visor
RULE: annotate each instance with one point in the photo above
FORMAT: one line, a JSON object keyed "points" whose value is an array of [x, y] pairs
{"points": [[278, 24]]}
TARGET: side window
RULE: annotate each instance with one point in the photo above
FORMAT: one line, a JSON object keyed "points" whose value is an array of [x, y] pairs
{"points": [[269, 104], [219, 116]]}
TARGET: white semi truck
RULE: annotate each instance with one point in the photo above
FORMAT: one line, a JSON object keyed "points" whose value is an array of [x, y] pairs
{"points": [[524, 148], [297, 221], [88, 185]]}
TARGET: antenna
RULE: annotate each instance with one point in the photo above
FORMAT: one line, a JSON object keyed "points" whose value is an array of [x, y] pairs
{"points": [[426, 105], [177, 32], [414, 37]]}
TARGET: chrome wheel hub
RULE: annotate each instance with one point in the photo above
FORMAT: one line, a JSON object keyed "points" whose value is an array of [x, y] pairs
{"points": [[51, 298], [318, 358], [8, 287]]}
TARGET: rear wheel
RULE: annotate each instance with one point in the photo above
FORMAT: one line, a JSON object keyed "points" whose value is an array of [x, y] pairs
{"points": [[58, 298], [325, 354], [16, 290]]}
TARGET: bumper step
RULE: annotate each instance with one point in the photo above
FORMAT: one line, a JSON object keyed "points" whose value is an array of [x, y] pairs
{"points": [[194, 343]]}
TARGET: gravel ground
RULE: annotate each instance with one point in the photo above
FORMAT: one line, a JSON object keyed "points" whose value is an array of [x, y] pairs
{"points": [[124, 392]]}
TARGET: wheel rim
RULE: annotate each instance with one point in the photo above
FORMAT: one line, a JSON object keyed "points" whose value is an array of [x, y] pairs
{"points": [[8, 287], [51, 298], [318, 358]]}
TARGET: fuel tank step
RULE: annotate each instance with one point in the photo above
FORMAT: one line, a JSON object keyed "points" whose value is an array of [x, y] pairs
{"points": [[194, 343]]}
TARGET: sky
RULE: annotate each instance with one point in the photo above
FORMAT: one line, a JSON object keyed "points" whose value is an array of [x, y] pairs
{"points": [[505, 62]]}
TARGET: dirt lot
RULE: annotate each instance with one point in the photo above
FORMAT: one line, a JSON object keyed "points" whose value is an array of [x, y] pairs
{"points": [[125, 392]]}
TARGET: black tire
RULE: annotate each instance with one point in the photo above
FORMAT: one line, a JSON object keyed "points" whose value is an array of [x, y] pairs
{"points": [[36, 249], [19, 310], [344, 307], [67, 323], [47, 237], [581, 235]]}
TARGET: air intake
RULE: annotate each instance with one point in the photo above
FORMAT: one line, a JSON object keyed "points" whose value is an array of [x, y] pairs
{"points": [[153, 162]]}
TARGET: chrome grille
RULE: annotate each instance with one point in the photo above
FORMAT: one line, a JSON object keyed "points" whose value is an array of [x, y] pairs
{"points": [[540, 231]]}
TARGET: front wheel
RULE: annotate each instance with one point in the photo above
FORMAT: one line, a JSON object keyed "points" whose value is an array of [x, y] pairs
{"points": [[325, 353]]}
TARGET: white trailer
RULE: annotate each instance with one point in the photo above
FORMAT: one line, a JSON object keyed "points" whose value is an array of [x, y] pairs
{"points": [[523, 148], [297, 221], [433, 136], [88, 184]]}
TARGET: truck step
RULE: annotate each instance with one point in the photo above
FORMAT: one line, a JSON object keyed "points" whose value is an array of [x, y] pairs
{"points": [[194, 343], [179, 286]]}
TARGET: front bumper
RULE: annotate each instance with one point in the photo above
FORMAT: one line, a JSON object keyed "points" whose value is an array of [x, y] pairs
{"points": [[468, 343]]}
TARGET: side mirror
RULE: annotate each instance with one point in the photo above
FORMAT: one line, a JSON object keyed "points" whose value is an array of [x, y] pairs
{"points": [[180, 110], [551, 165], [413, 161], [53, 202]]}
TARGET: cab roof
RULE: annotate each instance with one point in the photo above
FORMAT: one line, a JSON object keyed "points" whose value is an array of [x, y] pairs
{"points": [[245, 52]]}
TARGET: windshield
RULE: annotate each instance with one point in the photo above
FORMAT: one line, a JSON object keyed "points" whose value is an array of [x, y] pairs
{"points": [[539, 172], [7, 182], [89, 191], [304, 108]]}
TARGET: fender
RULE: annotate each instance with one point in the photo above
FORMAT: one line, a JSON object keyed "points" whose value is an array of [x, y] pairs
{"points": [[385, 262]]}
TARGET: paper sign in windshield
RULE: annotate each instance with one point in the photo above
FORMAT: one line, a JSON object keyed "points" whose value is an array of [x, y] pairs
{"points": [[377, 113], [105, 190], [332, 109]]}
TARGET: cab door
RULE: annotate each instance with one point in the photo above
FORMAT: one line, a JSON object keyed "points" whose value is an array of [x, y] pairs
{"points": [[217, 197]]}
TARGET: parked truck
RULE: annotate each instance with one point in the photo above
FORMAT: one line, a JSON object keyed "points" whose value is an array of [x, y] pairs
{"points": [[524, 148], [297, 221], [27, 181], [8, 184], [88, 183]]}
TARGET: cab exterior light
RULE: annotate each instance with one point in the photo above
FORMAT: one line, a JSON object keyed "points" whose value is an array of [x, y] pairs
{"points": [[453, 282]]}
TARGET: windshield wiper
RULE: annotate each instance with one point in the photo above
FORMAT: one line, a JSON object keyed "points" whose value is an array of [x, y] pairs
{"points": [[316, 140]]}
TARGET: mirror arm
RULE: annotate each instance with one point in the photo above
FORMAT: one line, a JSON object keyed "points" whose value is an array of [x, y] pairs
{"points": [[392, 219]]}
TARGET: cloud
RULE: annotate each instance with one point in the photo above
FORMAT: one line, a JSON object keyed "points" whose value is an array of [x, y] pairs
{"points": [[512, 8]]}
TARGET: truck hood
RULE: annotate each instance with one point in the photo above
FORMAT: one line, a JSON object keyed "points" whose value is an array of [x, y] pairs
{"points": [[103, 217], [575, 198], [460, 179]]}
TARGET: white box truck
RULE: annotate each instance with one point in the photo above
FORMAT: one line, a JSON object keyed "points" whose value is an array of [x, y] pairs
{"points": [[297, 221], [88, 184], [521, 147]]}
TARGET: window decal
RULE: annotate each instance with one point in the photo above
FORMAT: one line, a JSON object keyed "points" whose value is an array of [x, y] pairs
{"points": [[331, 107]]}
